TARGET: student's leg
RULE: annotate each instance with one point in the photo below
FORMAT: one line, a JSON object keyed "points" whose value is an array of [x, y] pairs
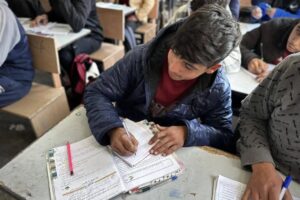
{"points": [[11, 90]]}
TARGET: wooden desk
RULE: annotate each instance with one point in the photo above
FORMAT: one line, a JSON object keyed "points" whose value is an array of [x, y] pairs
{"points": [[26, 174], [61, 40], [242, 81]]}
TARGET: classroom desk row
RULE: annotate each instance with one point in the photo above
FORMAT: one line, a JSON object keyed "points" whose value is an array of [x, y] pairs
{"points": [[26, 175]]}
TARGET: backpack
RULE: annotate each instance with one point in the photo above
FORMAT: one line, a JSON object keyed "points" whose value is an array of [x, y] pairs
{"points": [[83, 72]]}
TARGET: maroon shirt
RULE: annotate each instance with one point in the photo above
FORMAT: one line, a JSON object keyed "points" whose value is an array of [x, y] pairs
{"points": [[169, 90]]}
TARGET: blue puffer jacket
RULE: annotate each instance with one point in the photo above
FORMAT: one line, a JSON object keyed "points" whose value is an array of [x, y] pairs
{"points": [[132, 82]]}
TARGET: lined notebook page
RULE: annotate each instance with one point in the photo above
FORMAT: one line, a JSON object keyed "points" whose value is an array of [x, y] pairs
{"points": [[228, 189], [152, 170], [95, 176], [142, 134]]}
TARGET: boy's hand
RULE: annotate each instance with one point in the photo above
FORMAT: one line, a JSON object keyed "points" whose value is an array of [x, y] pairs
{"points": [[262, 76], [257, 66], [271, 12], [168, 139], [40, 19], [121, 143], [256, 12], [264, 184]]}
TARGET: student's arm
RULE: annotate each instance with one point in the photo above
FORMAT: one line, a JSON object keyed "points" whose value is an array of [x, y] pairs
{"points": [[9, 32], [257, 109], [75, 13], [249, 44], [283, 13], [235, 8], [144, 9], [215, 128], [110, 87]]}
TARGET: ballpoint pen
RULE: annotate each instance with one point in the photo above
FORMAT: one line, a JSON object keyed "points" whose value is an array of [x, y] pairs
{"points": [[285, 185], [126, 129]]}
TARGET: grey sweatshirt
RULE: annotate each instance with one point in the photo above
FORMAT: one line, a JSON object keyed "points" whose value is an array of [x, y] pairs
{"points": [[270, 120]]}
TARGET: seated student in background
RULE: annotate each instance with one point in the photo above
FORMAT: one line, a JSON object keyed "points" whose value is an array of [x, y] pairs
{"points": [[16, 70], [78, 14], [175, 81], [270, 131], [26, 8], [232, 62], [269, 9], [269, 43]]}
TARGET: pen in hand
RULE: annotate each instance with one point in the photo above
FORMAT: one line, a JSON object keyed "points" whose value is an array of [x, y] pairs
{"points": [[127, 131], [285, 186]]}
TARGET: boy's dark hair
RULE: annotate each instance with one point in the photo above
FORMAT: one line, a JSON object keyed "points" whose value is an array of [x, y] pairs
{"points": [[195, 4], [207, 36]]}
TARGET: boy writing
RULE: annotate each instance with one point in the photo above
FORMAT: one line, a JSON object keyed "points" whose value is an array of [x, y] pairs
{"points": [[175, 81]]}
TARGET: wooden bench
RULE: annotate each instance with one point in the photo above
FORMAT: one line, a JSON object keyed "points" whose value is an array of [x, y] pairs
{"points": [[113, 23], [44, 106]]}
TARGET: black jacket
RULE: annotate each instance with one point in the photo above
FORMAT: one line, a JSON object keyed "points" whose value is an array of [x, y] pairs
{"points": [[26, 8], [78, 14], [267, 41]]}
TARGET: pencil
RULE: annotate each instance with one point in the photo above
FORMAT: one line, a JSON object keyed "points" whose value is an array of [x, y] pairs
{"points": [[70, 158]]}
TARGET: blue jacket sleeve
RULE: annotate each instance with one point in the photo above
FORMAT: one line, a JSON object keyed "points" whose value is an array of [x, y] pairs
{"points": [[283, 13], [111, 86], [215, 128], [234, 6]]}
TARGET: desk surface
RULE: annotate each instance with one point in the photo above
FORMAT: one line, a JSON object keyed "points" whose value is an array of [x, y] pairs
{"points": [[61, 40], [26, 174], [246, 27], [126, 9]]}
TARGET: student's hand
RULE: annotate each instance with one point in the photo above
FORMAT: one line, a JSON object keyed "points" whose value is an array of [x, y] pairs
{"points": [[256, 12], [271, 12], [262, 76], [40, 19], [257, 66], [121, 143], [168, 139], [264, 184]]}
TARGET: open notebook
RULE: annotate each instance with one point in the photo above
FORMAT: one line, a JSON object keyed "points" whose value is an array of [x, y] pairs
{"points": [[99, 174], [49, 29], [228, 189], [142, 131]]}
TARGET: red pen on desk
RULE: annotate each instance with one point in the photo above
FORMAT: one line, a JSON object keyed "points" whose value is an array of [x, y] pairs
{"points": [[70, 158]]}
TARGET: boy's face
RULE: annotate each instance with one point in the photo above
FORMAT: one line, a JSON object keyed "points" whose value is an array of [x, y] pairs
{"points": [[180, 69], [293, 43]]}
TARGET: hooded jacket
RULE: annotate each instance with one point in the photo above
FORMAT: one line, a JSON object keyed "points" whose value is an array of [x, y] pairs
{"points": [[132, 82]]}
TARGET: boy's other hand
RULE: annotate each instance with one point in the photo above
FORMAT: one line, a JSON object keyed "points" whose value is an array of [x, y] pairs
{"points": [[264, 184], [40, 19], [256, 12], [168, 139], [121, 143], [257, 66]]}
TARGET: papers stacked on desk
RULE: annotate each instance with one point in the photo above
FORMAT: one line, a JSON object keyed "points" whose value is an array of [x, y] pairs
{"points": [[49, 29]]}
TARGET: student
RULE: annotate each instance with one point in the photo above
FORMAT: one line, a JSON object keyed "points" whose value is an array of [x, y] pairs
{"points": [[271, 9], [269, 43], [26, 8], [175, 81], [231, 63], [270, 131], [16, 71], [78, 14]]}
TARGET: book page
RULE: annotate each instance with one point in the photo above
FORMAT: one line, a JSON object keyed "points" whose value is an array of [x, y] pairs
{"points": [[228, 189], [142, 134], [150, 171], [95, 175]]}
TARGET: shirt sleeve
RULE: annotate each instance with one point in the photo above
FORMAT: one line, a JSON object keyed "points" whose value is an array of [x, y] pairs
{"points": [[259, 107], [9, 32]]}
